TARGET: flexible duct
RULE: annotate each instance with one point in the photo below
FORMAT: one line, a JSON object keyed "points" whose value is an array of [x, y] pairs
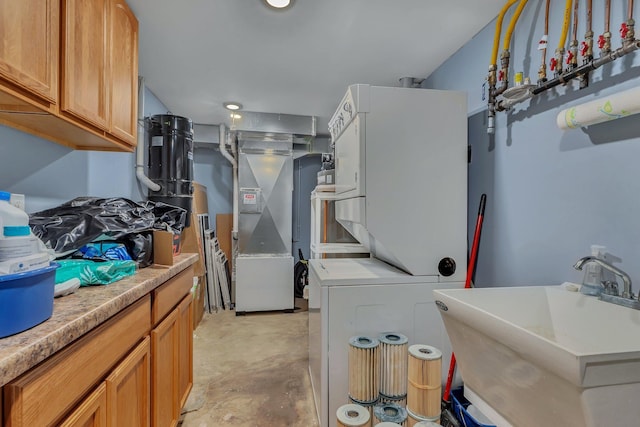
{"points": [[600, 110], [144, 180]]}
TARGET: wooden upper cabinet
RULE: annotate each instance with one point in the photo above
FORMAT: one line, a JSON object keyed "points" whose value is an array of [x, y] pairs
{"points": [[124, 71], [74, 63], [29, 31], [85, 64]]}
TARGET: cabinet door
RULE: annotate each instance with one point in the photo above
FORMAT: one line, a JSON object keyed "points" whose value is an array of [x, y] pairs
{"points": [[92, 412], [29, 45], [185, 352], [165, 342], [129, 388], [85, 45], [124, 71], [29, 400]]}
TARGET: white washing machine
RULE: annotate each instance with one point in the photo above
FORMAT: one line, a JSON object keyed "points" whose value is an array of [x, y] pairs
{"points": [[364, 296]]}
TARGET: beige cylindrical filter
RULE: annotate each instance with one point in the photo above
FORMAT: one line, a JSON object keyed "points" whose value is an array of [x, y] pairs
{"points": [[425, 381], [364, 368], [351, 415], [387, 424], [393, 364], [368, 406], [414, 420], [389, 412], [400, 400], [427, 424]]}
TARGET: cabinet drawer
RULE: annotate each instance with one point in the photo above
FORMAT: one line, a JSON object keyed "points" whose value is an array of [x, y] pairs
{"points": [[43, 395], [168, 295]]}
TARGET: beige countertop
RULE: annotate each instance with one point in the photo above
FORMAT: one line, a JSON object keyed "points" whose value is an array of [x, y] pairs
{"points": [[76, 314]]}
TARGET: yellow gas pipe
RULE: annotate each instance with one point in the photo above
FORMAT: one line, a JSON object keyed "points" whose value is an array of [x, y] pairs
{"points": [[563, 37], [496, 42], [504, 58]]}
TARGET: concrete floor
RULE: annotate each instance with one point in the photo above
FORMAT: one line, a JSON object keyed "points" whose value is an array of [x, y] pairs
{"points": [[251, 370]]}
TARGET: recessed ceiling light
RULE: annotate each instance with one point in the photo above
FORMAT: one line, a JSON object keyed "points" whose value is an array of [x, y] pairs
{"points": [[279, 4], [233, 106]]}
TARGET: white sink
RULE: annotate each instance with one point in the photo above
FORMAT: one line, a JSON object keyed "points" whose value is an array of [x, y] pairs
{"points": [[545, 356]]}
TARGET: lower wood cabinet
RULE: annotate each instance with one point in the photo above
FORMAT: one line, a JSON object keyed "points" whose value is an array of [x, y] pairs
{"points": [[46, 393], [129, 389], [122, 399], [92, 412], [164, 388], [134, 370], [185, 350], [172, 364]]}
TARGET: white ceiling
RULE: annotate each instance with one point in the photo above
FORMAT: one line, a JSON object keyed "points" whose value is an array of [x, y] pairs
{"points": [[197, 54]]}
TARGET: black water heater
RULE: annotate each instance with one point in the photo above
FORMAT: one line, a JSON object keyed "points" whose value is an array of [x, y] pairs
{"points": [[170, 160]]}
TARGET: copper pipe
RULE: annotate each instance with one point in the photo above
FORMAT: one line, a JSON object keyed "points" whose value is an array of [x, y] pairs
{"points": [[542, 72], [604, 41], [574, 33], [587, 45], [572, 58], [627, 28]]}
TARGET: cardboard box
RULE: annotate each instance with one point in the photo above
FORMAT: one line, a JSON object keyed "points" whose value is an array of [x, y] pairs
{"points": [[224, 226], [166, 245], [192, 243], [200, 203], [191, 235], [198, 301]]}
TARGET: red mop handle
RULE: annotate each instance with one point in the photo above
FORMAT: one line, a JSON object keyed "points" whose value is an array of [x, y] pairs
{"points": [[476, 242], [467, 284]]}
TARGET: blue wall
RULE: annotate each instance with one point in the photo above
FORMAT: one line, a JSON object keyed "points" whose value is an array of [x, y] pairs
{"points": [[49, 174], [551, 193], [213, 171]]}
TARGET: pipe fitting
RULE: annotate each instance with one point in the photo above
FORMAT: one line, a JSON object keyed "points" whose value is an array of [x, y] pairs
{"points": [[627, 31], [491, 117], [542, 73], [558, 62], [504, 73], [504, 62], [492, 78], [605, 45], [572, 56], [587, 47]]}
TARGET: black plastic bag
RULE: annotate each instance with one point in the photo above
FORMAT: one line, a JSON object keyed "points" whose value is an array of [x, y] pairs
{"points": [[73, 224]]}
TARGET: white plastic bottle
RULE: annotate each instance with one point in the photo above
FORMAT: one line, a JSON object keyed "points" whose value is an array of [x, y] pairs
{"points": [[15, 221], [16, 239]]}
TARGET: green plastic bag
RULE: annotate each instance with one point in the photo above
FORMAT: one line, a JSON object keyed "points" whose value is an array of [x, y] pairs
{"points": [[94, 273]]}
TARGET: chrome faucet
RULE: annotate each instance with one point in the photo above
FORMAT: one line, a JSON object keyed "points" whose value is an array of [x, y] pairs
{"points": [[626, 280]]}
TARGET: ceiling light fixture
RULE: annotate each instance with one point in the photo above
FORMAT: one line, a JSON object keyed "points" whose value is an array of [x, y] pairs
{"points": [[233, 106], [278, 4]]}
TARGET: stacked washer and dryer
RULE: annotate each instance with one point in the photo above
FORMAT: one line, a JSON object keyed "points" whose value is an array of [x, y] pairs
{"points": [[401, 183]]}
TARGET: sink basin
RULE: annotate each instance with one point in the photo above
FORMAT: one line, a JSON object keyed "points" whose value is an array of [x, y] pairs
{"points": [[545, 356]]}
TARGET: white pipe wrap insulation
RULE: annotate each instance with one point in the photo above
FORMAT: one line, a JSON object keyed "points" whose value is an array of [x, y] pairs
{"points": [[600, 110]]}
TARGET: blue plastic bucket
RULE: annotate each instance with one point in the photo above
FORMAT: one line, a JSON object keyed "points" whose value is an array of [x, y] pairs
{"points": [[26, 299]]}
